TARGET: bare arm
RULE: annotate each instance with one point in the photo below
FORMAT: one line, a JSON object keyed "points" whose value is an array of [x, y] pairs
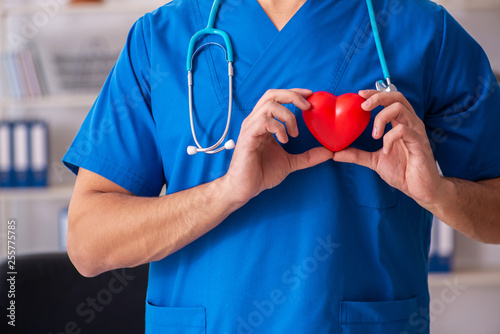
{"points": [[472, 208], [407, 163], [110, 228]]}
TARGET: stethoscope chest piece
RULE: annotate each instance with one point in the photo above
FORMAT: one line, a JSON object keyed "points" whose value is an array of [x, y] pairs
{"points": [[383, 86]]}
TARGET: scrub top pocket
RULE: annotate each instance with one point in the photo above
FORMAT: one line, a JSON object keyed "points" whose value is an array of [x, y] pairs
{"points": [[175, 320], [391, 317]]}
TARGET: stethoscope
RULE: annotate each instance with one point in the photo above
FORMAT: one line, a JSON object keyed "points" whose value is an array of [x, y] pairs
{"points": [[381, 85]]}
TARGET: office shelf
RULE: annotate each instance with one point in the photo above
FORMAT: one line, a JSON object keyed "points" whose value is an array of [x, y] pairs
{"points": [[104, 8], [14, 201], [54, 193], [473, 278], [51, 101]]}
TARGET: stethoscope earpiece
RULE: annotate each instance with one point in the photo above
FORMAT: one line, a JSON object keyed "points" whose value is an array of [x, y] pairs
{"points": [[229, 145], [192, 150]]}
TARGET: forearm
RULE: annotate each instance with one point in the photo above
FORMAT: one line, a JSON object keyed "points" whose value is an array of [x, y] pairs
{"points": [[472, 208], [109, 230]]}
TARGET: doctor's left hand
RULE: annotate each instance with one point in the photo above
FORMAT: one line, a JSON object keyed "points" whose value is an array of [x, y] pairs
{"points": [[406, 161], [259, 162]]}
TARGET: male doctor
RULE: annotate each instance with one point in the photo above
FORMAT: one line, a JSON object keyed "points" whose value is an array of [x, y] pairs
{"points": [[282, 235]]}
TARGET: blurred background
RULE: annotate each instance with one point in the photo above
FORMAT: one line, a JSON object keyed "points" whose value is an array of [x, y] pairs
{"points": [[54, 58]]}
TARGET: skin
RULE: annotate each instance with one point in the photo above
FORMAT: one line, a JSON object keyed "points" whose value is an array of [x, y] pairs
{"points": [[280, 11], [111, 228], [407, 163]]}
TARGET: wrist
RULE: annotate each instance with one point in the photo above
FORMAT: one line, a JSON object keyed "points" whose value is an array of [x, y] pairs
{"points": [[443, 195], [229, 193]]}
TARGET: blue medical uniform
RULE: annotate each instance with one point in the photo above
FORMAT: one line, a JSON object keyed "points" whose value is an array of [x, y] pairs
{"points": [[333, 249]]}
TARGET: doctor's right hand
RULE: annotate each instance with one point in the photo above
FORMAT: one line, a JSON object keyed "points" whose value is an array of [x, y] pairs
{"points": [[259, 162]]}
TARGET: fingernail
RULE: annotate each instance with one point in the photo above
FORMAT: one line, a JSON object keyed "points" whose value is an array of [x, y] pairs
{"points": [[363, 91], [365, 104], [375, 133], [307, 104], [384, 150]]}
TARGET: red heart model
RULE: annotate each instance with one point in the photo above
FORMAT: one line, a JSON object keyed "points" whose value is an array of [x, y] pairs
{"points": [[336, 122]]}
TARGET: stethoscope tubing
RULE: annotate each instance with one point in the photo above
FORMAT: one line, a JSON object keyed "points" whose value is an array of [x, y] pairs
{"points": [[215, 147], [381, 85], [378, 42]]}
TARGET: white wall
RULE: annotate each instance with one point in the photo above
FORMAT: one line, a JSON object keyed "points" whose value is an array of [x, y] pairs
{"points": [[37, 220], [475, 309], [484, 26]]}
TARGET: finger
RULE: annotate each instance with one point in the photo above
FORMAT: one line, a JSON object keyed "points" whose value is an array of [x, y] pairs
{"points": [[385, 99], [353, 155], [278, 129], [286, 96], [395, 112], [310, 158], [302, 91], [296, 96], [254, 135], [272, 110], [284, 115], [402, 132], [367, 93]]}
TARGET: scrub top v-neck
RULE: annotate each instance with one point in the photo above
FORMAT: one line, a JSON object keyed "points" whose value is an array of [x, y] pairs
{"points": [[332, 249], [259, 47]]}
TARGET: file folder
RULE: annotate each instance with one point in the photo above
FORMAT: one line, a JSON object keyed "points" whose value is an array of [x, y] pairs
{"points": [[5, 155], [20, 136], [63, 229], [38, 168], [442, 244], [442, 247]]}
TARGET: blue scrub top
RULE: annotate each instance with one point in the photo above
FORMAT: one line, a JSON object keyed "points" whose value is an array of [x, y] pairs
{"points": [[333, 249]]}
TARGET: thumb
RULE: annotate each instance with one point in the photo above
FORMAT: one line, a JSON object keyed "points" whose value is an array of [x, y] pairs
{"points": [[353, 155], [310, 158]]}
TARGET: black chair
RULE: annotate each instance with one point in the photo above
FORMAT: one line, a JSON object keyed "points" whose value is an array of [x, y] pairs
{"points": [[51, 297]]}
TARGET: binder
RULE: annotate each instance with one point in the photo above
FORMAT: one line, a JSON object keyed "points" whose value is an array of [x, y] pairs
{"points": [[28, 66], [63, 229], [442, 244], [5, 155], [446, 248], [5, 90], [20, 135], [433, 246], [40, 70], [22, 75], [24, 154], [38, 149], [442, 247], [10, 70]]}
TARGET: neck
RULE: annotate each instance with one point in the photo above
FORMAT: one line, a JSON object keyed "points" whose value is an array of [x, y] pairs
{"points": [[281, 11]]}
